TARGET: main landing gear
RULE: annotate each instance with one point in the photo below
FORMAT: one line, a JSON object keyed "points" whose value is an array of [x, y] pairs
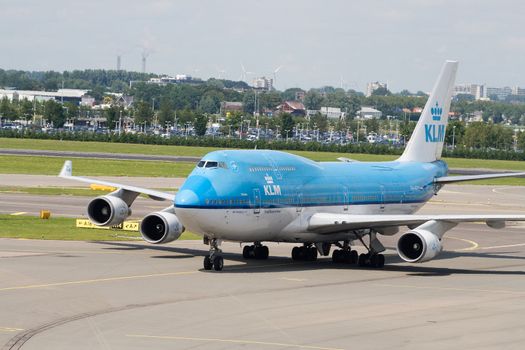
{"points": [[304, 253], [373, 258], [214, 260], [256, 251]]}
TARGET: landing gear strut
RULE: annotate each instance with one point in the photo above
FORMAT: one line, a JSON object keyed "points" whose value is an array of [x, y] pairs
{"points": [[214, 260], [304, 253], [373, 258], [256, 251]]}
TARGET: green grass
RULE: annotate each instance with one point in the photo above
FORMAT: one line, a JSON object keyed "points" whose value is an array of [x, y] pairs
{"points": [[62, 191], [93, 167], [107, 147], [56, 228]]}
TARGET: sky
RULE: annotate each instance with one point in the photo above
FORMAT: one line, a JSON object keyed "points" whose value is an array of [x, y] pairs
{"points": [[316, 43]]}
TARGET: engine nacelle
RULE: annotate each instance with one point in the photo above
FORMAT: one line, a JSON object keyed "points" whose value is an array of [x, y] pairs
{"points": [[161, 227], [108, 211], [418, 245]]}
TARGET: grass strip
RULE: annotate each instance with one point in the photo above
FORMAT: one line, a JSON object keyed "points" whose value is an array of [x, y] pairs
{"points": [[58, 228]]}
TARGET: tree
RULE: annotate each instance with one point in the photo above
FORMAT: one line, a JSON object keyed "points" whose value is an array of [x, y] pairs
{"points": [[54, 112], [287, 124], [313, 100], [381, 91], [166, 113], [319, 121], [201, 124], [143, 112], [112, 115]]}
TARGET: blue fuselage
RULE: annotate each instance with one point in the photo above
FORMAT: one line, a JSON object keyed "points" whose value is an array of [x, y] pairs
{"points": [[271, 179]]}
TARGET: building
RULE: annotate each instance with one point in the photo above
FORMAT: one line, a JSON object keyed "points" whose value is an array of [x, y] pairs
{"points": [[498, 93], [368, 113], [373, 86], [295, 108], [263, 83], [299, 95], [518, 91], [475, 90], [332, 112], [229, 107], [61, 95]]}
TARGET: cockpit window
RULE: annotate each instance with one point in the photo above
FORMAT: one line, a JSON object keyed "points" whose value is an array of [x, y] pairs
{"points": [[210, 164], [201, 163]]}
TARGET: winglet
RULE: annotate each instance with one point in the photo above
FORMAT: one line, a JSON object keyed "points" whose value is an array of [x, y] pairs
{"points": [[67, 169]]}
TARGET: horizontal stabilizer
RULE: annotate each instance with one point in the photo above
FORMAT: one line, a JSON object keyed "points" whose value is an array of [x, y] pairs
{"points": [[452, 179]]}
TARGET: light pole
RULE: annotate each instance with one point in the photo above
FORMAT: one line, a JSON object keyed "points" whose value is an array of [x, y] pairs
{"points": [[453, 137]]}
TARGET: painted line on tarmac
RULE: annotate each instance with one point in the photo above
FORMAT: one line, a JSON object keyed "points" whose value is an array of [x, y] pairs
{"points": [[19, 213], [10, 329], [231, 341], [99, 280], [503, 246], [453, 289], [473, 245]]}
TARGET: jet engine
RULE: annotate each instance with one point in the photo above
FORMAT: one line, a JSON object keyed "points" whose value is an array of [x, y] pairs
{"points": [[108, 211], [418, 245], [161, 227]]}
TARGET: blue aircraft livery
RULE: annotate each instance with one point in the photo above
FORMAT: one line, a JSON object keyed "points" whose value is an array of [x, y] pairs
{"points": [[257, 196]]}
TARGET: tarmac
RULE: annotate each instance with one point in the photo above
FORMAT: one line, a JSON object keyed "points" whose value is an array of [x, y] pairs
{"points": [[131, 295]]}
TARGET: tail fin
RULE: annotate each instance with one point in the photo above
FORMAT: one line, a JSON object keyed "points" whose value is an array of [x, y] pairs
{"points": [[426, 142]]}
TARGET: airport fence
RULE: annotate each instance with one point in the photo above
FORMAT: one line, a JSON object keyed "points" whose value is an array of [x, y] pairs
{"points": [[223, 142]]}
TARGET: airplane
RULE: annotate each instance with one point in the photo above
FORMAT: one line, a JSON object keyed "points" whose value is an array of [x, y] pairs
{"points": [[256, 196]]}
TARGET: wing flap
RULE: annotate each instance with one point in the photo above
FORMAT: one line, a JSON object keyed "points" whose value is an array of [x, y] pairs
{"points": [[331, 223]]}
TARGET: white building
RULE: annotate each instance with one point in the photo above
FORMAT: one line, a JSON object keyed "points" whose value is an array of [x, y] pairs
{"points": [[476, 90], [373, 86], [368, 113], [332, 112], [65, 95], [263, 83]]}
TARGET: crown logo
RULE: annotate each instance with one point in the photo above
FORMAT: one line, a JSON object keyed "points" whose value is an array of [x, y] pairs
{"points": [[269, 179], [436, 112]]}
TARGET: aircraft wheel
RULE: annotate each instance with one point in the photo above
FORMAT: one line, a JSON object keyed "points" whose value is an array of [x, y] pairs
{"points": [[311, 254], [246, 252], [336, 256], [265, 252], [218, 263], [207, 263], [296, 253], [353, 257], [363, 259], [380, 261]]}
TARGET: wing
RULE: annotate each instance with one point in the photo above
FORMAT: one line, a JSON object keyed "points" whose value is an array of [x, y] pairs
{"points": [[325, 223], [66, 173], [451, 179]]}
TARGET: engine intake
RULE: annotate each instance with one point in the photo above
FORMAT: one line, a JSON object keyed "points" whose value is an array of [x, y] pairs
{"points": [[161, 227], [108, 211], [418, 245]]}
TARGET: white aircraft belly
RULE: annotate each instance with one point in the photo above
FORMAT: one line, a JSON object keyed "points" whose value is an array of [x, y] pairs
{"points": [[274, 224]]}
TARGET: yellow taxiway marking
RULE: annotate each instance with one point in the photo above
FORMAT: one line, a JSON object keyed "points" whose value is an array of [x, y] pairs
{"points": [[473, 245], [476, 290], [98, 280], [232, 341], [19, 213], [10, 329]]}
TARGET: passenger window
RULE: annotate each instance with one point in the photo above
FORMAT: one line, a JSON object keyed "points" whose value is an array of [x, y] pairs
{"points": [[201, 164], [211, 164]]}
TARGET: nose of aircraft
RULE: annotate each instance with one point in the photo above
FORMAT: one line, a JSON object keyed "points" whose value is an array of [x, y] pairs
{"points": [[187, 198]]}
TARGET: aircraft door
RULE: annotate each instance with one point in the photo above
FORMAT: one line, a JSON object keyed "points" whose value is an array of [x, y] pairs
{"points": [[382, 198], [346, 198], [299, 201], [256, 201]]}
